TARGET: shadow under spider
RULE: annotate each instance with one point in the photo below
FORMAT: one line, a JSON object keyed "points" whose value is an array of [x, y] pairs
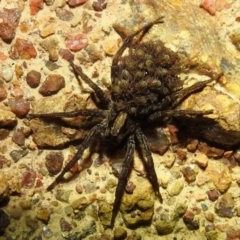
{"points": [[145, 89]]}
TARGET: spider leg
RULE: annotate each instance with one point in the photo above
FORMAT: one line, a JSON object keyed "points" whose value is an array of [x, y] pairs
{"points": [[176, 113], [126, 167], [81, 112], [176, 97], [102, 97], [181, 94], [149, 162], [127, 41], [95, 130]]}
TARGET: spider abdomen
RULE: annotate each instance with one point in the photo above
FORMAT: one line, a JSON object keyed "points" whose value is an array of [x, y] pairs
{"points": [[147, 75]]}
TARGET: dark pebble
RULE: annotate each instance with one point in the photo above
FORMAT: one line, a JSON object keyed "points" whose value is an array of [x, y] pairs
{"points": [[4, 133], [233, 233], [130, 187], [10, 19], [4, 221], [54, 162], [7, 33], [188, 219], [193, 225], [211, 152], [99, 5], [224, 207], [52, 65], [31, 222], [119, 233], [209, 227], [33, 78], [4, 161], [237, 156], [53, 84], [18, 154], [192, 146], [188, 216], [66, 54], [18, 137], [64, 14], [213, 195], [28, 178], [189, 174], [3, 93], [182, 155], [65, 226]]}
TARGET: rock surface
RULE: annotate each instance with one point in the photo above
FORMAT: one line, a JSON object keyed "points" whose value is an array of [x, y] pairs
{"points": [[137, 208], [207, 45]]}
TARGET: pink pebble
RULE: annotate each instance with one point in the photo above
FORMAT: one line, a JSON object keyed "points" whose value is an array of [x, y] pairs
{"points": [[16, 91], [77, 43], [35, 6], [19, 106], [209, 6]]}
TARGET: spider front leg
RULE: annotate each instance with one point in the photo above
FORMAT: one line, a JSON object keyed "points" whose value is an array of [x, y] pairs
{"points": [[102, 97], [149, 164], [183, 93], [177, 97], [81, 112], [126, 43], [85, 144], [176, 113], [123, 178]]}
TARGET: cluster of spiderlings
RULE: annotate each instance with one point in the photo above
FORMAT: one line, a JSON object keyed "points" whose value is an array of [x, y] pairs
{"points": [[147, 74]]}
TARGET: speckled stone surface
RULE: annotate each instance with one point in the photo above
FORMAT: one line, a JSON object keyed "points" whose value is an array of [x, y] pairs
{"points": [[199, 180]]}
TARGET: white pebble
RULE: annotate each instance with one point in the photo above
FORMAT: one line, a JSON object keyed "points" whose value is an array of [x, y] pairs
{"points": [[7, 73]]}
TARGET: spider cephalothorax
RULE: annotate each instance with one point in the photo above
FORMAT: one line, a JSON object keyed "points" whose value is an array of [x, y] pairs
{"points": [[145, 88]]}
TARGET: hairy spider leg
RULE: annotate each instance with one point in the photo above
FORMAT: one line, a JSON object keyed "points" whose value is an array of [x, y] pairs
{"points": [[82, 112], [123, 178], [183, 93], [85, 144], [178, 96], [102, 97], [149, 164], [176, 113], [125, 45]]}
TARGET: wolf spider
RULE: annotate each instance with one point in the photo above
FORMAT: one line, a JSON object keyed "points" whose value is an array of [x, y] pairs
{"points": [[145, 89]]}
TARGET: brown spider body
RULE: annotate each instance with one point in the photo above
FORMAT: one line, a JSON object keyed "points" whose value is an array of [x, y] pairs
{"points": [[145, 88]]}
